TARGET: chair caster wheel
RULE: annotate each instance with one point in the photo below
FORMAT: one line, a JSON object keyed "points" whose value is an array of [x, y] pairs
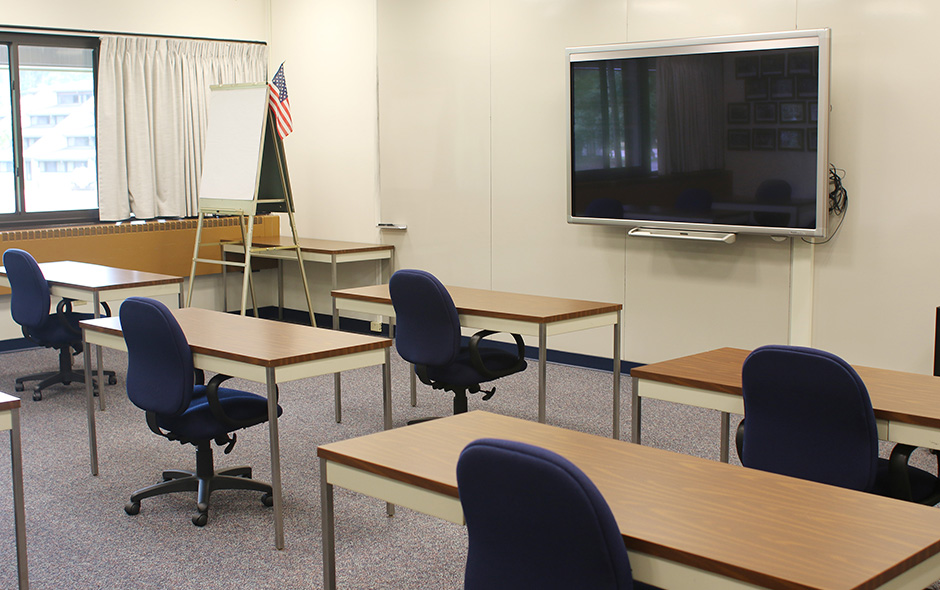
{"points": [[112, 380], [132, 508], [201, 519], [19, 387], [37, 395], [267, 500]]}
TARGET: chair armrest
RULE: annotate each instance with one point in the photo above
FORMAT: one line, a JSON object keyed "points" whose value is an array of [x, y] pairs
{"points": [[477, 361], [739, 441], [899, 479], [63, 311]]}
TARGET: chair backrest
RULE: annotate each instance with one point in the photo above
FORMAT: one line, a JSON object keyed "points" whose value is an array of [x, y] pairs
{"points": [[535, 520], [427, 329], [807, 414], [30, 297], [160, 375]]}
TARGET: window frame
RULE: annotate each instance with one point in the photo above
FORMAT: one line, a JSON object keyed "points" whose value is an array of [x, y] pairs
{"points": [[21, 218]]}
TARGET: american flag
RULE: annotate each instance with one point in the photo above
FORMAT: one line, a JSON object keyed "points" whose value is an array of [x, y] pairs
{"points": [[279, 103]]}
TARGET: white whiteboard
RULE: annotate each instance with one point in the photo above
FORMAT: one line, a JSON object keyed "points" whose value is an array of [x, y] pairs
{"points": [[232, 158]]}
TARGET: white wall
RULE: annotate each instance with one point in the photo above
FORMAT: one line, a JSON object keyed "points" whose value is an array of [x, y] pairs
{"points": [[505, 60], [223, 19], [871, 296], [332, 155], [466, 146]]}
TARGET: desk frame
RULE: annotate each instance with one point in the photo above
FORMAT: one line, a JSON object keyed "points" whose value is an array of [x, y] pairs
{"points": [[329, 252], [667, 566], [70, 279], [725, 397], [257, 372], [528, 327]]}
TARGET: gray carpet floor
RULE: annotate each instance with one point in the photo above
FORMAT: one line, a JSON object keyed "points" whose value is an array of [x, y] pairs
{"points": [[80, 538]]}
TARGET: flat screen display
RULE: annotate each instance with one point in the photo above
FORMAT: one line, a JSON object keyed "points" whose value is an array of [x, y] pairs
{"points": [[720, 134]]}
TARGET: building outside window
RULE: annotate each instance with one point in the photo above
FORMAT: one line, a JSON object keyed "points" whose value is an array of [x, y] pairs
{"points": [[48, 153]]}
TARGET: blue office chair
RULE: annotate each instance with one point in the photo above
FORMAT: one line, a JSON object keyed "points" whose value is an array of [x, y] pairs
{"points": [[427, 334], [807, 414], [161, 380], [535, 520], [30, 304]]}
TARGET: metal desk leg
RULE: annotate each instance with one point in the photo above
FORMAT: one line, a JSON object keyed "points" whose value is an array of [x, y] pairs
{"points": [[280, 290], [337, 385], [635, 413], [337, 398], [224, 281], [616, 371], [414, 387], [90, 410], [88, 377], [725, 431], [387, 407], [19, 510], [387, 388], [275, 459], [326, 529], [543, 361]]}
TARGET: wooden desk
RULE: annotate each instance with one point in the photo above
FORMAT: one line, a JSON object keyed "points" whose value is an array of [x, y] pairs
{"points": [[263, 351], [96, 283], [530, 315], [906, 405], [333, 252], [687, 522], [10, 420]]}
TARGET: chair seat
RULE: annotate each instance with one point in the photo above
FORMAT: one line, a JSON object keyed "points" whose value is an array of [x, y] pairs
{"points": [[53, 331], [462, 373], [198, 423]]}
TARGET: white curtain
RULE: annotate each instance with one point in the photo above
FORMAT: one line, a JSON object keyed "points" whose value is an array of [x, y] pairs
{"points": [[153, 103], [691, 111]]}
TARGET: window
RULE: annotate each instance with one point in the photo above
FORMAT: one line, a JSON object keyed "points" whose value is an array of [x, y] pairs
{"points": [[48, 155]]}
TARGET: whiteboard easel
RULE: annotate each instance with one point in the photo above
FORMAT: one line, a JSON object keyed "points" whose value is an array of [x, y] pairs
{"points": [[244, 172]]}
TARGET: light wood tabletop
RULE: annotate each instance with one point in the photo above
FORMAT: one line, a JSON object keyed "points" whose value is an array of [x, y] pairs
{"points": [[895, 395], [317, 245], [96, 277], [686, 512], [498, 304], [8, 402], [253, 341]]}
